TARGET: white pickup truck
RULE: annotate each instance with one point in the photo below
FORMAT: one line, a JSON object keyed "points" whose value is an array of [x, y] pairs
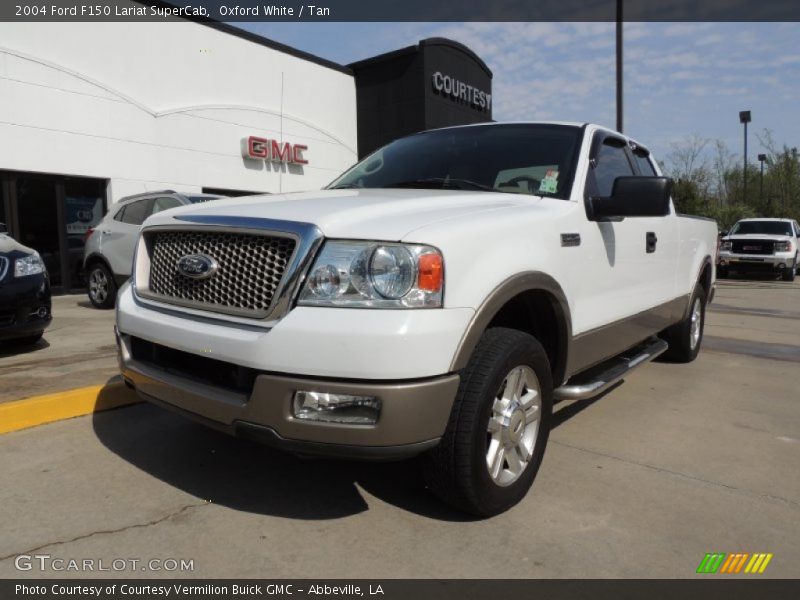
{"points": [[761, 246], [434, 300]]}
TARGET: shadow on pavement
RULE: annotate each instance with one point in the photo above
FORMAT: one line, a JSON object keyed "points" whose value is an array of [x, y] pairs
{"points": [[562, 412], [246, 476], [18, 347]]}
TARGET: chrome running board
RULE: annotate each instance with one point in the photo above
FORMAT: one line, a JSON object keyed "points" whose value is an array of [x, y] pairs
{"points": [[598, 379]]}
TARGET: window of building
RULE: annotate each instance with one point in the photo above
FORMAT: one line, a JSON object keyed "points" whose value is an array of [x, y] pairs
{"points": [[51, 214]]}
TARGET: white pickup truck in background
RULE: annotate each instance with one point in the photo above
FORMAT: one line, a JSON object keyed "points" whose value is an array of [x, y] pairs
{"points": [[435, 300], [761, 246]]}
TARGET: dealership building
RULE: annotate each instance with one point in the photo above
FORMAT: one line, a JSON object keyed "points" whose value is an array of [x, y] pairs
{"points": [[94, 112]]}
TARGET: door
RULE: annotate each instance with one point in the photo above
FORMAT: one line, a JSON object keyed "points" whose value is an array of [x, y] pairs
{"points": [[119, 235], [627, 266], [37, 222]]}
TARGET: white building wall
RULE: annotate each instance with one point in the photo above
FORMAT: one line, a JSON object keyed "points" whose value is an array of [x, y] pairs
{"points": [[165, 105]]}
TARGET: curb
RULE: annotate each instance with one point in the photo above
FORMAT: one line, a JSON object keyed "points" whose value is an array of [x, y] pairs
{"points": [[38, 410]]}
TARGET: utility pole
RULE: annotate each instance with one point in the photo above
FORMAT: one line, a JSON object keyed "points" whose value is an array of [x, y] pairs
{"points": [[744, 119], [762, 159], [619, 66]]}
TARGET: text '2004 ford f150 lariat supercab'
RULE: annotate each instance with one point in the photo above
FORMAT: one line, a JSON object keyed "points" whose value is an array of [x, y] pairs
{"points": [[434, 300]]}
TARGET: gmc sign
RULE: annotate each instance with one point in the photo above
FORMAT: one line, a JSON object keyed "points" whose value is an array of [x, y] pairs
{"points": [[259, 148]]}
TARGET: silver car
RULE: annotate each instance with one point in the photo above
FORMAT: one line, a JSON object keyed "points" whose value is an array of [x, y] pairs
{"points": [[108, 254]]}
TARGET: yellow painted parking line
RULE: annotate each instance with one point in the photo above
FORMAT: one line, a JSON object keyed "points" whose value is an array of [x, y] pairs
{"points": [[30, 412]]}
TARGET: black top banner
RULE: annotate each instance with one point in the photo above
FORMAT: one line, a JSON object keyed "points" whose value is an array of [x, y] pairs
{"points": [[402, 10]]}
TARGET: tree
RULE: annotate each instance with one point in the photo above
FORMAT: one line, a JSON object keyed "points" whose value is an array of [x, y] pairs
{"points": [[709, 180]]}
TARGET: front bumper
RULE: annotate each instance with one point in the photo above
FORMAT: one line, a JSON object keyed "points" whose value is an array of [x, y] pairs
{"points": [[756, 262], [413, 416], [25, 306]]}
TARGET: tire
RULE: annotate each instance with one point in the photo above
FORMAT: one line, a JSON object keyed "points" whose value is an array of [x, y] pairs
{"points": [[684, 341], [458, 470], [102, 287], [789, 272]]}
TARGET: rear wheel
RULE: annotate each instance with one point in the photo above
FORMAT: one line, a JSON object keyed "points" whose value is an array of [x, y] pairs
{"points": [[102, 287], [685, 338], [499, 425]]}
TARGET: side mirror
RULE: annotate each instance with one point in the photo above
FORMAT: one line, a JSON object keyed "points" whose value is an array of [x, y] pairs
{"points": [[3, 228], [723, 233], [633, 197]]}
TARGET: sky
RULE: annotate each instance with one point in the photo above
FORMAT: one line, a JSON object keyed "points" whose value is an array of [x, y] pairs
{"points": [[680, 78]]}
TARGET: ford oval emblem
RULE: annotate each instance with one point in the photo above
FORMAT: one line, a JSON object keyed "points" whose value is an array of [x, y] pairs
{"points": [[197, 266]]}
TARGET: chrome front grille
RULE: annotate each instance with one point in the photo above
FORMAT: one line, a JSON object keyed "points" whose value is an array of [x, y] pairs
{"points": [[251, 267], [753, 247]]}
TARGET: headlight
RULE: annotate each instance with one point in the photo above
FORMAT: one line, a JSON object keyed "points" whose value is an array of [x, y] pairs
{"points": [[726, 246], [375, 275], [784, 246], [28, 265]]}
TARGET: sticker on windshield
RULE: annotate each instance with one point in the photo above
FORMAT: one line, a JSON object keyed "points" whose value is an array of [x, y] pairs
{"points": [[549, 184]]}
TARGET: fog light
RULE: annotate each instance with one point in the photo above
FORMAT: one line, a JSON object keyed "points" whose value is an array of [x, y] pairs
{"points": [[336, 408], [782, 266], [723, 262]]}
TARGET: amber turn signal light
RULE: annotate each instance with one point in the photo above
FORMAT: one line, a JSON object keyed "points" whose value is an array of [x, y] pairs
{"points": [[430, 272]]}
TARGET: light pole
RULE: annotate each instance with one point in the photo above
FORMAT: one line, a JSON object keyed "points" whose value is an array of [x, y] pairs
{"points": [[744, 119], [619, 66]]}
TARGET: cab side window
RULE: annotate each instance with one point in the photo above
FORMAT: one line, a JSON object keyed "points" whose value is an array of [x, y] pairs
{"points": [[136, 212], [643, 163], [611, 162]]}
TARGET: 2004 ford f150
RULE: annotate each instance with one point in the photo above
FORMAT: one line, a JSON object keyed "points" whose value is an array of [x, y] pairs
{"points": [[435, 300]]}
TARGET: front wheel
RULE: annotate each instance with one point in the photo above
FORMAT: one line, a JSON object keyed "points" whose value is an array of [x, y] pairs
{"points": [[498, 429], [684, 338], [789, 272]]}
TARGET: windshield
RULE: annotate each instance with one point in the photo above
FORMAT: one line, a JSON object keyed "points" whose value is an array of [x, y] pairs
{"points": [[762, 227], [198, 199], [518, 159]]}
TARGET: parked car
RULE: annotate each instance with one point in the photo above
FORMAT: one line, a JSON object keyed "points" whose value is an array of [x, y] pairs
{"points": [[108, 252], [761, 245], [25, 307], [434, 300]]}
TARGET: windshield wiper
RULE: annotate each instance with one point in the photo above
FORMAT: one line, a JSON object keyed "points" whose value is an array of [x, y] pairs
{"points": [[345, 186], [442, 183]]}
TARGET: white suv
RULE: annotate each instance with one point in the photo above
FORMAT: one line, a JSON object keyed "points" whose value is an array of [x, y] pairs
{"points": [[108, 253]]}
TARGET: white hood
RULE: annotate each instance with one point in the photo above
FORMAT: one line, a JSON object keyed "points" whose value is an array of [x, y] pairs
{"points": [[380, 214], [757, 236]]}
